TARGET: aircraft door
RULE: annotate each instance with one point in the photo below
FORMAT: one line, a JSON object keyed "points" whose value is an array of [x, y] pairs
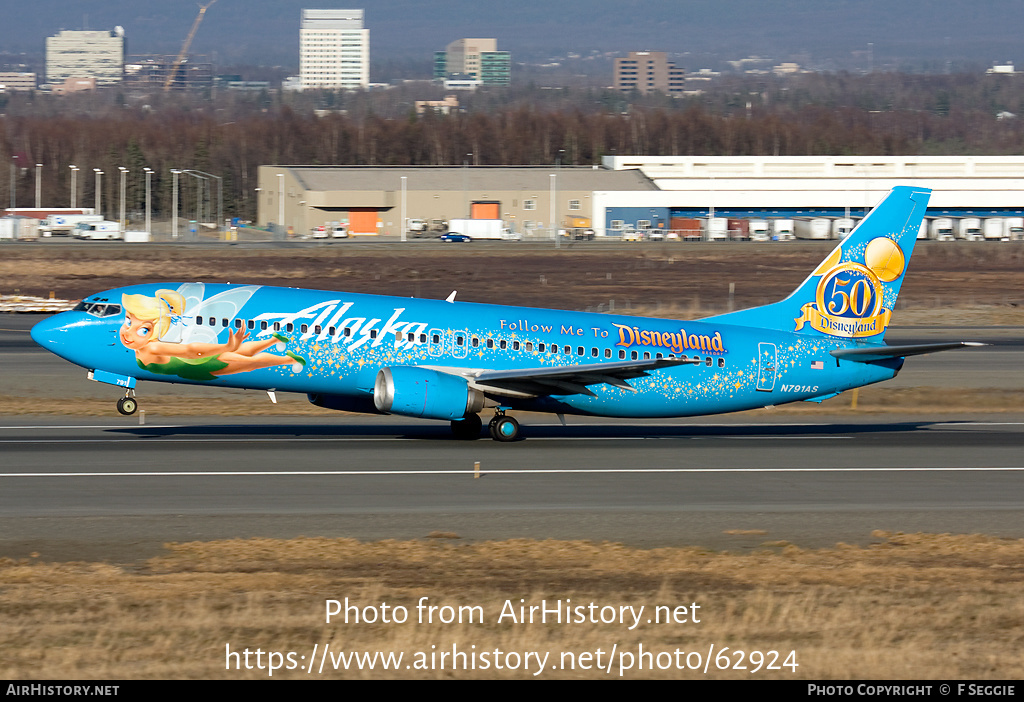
{"points": [[460, 343], [436, 342], [767, 356]]}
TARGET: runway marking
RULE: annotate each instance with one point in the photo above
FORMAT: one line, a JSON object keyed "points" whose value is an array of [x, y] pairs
{"points": [[501, 471], [371, 439]]}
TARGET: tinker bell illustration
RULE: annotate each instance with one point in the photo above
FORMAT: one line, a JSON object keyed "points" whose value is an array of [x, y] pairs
{"points": [[154, 328]]}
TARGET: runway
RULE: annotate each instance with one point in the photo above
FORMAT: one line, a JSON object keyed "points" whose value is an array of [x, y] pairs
{"points": [[107, 488], [117, 490]]}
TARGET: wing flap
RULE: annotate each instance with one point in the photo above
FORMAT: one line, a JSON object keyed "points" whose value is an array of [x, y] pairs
{"points": [[571, 380]]}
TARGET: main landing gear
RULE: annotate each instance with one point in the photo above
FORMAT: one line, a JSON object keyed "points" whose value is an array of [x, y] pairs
{"points": [[127, 405], [501, 427]]}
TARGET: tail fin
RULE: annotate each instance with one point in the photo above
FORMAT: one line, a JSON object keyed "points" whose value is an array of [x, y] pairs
{"points": [[852, 293]]}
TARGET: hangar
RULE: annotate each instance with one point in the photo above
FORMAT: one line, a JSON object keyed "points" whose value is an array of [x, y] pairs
{"points": [[369, 199]]}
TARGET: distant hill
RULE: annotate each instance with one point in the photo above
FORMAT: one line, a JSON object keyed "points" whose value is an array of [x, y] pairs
{"points": [[911, 33]]}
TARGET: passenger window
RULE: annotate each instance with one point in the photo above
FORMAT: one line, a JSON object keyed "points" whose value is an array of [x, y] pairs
{"points": [[593, 351], [331, 330], [289, 327], [411, 336], [277, 326], [622, 354], [373, 333], [250, 324], [607, 353], [580, 351], [633, 356], [658, 355], [199, 321], [460, 340], [238, 324], [423, 338], [304, 328], [317, 329], [721, 363], [490, 343], [348, 331], [647, 355], [475, 342], [263, 326], [529, 346], [435, 339], [515, 345], [540, 347], [224, 322], [503, 344], [707, 361]]}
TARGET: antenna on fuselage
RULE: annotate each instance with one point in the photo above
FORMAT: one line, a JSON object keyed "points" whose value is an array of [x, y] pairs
{"points": [[451, 298]]}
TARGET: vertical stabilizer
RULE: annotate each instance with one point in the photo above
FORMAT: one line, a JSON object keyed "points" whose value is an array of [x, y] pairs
{"points": [[852, 293]]}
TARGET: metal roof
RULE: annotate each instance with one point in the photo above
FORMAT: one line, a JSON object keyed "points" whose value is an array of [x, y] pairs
{"points": [[496, 178]]}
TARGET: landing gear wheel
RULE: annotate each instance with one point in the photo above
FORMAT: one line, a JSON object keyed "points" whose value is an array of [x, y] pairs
{"points": [[127, 406], [467, 428], [504, 428]]}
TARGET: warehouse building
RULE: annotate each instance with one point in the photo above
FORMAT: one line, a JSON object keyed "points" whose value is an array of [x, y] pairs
{"points": [[369, 199]]}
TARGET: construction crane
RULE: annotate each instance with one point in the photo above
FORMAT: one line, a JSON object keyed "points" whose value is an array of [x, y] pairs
{"points": [[184, 47]]}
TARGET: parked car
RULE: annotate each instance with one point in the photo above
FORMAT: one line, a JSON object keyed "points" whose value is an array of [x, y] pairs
{"points": [[453, 237]]}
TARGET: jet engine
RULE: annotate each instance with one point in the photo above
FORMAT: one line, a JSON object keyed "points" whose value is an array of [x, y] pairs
{"points": [[419, 392]]}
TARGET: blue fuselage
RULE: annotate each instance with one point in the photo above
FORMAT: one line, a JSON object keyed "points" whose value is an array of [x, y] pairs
{"points": [[332, 343]]}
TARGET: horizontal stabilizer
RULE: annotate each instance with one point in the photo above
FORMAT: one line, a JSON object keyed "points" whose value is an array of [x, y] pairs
{"points": [[866, 354]]}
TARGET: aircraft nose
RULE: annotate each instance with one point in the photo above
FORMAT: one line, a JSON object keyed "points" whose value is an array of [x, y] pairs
{"points": [[54, 333]]}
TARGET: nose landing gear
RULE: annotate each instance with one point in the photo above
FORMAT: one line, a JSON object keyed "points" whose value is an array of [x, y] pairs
{"points": [[127, 405]]}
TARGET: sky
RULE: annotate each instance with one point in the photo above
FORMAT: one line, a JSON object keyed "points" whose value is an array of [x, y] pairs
{"points": [[822, 31]]}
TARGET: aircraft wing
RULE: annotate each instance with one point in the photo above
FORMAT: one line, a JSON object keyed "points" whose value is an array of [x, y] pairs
{"points": [[866, 354], [570, 380]]}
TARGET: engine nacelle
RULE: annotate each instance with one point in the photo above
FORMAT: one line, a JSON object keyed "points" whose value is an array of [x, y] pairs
{"points": [[420, 392]]}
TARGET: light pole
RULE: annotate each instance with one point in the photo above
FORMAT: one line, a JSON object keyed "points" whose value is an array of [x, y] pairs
{"points": [[220, 193], [149, 223], [74, 185], [404, 221], [554, 210], [280, 201], [99, 191], [14, 167], [465, 196], [201, 179], [174, 206], [39, 186], [124, 172]]}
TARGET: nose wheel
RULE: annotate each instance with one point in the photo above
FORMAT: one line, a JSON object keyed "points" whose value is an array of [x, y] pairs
{"points": [[127, 405], [504, 428]]}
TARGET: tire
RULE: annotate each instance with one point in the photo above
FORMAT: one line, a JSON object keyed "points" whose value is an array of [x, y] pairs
{"points": [[127, 406], [467, 428], [505, 429]]}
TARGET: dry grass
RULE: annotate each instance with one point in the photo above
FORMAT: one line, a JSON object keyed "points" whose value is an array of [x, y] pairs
{"points": [[907, 607]]}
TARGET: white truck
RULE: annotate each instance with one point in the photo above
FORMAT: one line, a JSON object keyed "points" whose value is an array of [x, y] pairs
{"points": [[969, 228], [104, 229], [64, 224], [1013, 228], [782, 230], [481, 228], [941, 229], [993, 229], [812, 228], [759, 230], [841, 227], [716, 229]]}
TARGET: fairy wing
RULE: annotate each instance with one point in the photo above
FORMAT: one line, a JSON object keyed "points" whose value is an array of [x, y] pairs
{"points": [[223, 305]]}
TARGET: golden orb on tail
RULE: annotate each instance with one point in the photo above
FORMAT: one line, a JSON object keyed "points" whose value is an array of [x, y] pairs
{"points": [[885, 259]]}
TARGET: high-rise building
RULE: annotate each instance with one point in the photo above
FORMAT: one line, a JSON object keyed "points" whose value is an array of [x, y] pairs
{"points": [[86, 54], [334, 50], [648, 71], [478, 58]]}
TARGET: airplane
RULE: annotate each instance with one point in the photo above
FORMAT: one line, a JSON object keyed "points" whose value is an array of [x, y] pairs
{"points": [[449, 360]]}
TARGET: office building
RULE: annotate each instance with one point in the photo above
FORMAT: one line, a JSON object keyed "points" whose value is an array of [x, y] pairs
{"points": [[334, 50], [648, 71], [477, 58], [86, 54]]}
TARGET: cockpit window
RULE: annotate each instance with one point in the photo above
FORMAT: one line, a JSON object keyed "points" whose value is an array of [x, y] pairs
{"points": [[98, 309]]}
